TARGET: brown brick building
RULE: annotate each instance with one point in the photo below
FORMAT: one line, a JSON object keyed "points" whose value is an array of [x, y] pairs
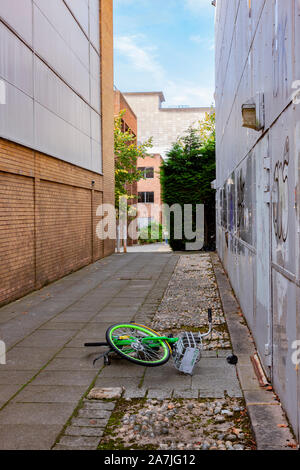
{"points": [[129, 122], [149, 191], [56, 139]]}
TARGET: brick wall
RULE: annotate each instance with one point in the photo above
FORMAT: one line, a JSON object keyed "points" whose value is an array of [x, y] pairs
{"points": [[47, 219], [151, 184], [129, 122]]}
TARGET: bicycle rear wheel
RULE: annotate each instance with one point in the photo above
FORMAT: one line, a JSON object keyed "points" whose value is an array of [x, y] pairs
{"points": [[138, 349]]}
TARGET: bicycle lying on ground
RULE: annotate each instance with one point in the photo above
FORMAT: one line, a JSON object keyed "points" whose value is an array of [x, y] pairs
{"points": [[143, 346]]}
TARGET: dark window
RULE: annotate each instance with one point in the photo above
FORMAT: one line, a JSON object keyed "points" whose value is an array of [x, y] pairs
{"points": [[148, 172], [146, 197]]}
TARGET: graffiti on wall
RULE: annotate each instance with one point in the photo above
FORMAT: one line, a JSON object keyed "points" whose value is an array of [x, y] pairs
{"points": [[241, 183], [281, 195]]}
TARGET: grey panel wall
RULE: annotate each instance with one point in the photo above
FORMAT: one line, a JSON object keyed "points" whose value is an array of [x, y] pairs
{"points": [[258, 196], [50, 64]]}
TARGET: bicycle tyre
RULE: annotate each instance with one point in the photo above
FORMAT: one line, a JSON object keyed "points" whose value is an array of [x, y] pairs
{"points": [[148, 357]]}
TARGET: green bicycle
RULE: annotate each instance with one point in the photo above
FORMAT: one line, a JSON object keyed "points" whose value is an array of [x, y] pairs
{"points": [[143, 346]]}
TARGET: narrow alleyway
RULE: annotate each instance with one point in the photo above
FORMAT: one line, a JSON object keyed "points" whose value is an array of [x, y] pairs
{"points": [[48, 375]]}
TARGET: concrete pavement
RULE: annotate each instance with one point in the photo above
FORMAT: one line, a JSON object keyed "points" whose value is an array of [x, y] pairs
{"points": [[48, 374]]}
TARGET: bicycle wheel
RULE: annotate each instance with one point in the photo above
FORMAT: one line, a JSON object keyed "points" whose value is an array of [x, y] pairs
{"points": [[138, 350]]}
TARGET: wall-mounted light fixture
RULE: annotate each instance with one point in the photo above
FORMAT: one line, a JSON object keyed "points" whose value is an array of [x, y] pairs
{"points": [[253, 112]]}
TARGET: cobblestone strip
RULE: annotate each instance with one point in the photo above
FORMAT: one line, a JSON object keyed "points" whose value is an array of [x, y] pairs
{"points": [[87, 426], [191, 291]]}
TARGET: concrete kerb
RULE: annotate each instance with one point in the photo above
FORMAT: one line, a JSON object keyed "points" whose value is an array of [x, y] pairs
{"points": [[268, 420]]}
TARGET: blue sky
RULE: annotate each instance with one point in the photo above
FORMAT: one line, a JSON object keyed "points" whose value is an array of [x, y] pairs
{"points": [[166, 45]]}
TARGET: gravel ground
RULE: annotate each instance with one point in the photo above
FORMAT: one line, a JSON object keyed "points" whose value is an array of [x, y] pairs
{"points": [[220, 424], [191, 292]]}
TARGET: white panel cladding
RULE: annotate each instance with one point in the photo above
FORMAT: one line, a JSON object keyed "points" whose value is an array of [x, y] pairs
{"points": [[297, 35], [96, 157], [18, 14], [94, 24], [59, 56], [96, 126], [95, 94], [55, 95], [16, 116], [80, 9], [57, 137], [94, 63], [15, 61], [60, 70], [258, 51], [62, 20]]}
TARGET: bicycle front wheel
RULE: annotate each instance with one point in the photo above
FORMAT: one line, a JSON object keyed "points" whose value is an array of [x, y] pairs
{"points": [[134, 343]]}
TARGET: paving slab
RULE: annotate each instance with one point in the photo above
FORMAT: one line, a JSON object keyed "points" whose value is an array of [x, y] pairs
{"points": [[89, 422], [26, 358], [99, 404], [80, 353], [50, 394], [15, 377], [59, 377], [128, 383], [84, 431], [47, 339], [122, 370], [28, 436], [76, 442], [36, 413], [71, 364], [7, 391], [53, 325]]}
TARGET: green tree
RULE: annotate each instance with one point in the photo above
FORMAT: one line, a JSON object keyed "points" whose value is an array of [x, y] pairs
{"points": [[186, 177], [127, 153]]}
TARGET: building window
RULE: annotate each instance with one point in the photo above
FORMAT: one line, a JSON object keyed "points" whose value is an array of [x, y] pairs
{"points": [[148, 172], [146, 197]]}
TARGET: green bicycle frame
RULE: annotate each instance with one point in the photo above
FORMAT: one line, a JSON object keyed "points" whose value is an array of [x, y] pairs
{"points": [[150, 339]]}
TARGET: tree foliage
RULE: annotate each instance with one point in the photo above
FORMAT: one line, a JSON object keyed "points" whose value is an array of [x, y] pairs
{"points": [[187, 174], [127, 153]]}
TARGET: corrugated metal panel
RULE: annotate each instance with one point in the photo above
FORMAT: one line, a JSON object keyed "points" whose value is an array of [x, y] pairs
{"points": [[62, 20], [16, 116], [67, 79], [96, 126], [263, 264], [96, 156], [18, 14], [16, 61], [80, 9], [56, 96], [61, 139], [57, 53], [94, 24]]}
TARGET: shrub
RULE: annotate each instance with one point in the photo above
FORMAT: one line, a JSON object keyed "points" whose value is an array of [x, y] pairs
{"points": [[153, 233], [186, 178]]}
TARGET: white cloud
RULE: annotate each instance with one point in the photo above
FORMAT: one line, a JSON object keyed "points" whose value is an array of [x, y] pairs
{"points": [[141, 57], [188, 93]]}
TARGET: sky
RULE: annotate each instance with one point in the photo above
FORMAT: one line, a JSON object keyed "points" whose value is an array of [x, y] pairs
{"points": [[168, 46]]}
